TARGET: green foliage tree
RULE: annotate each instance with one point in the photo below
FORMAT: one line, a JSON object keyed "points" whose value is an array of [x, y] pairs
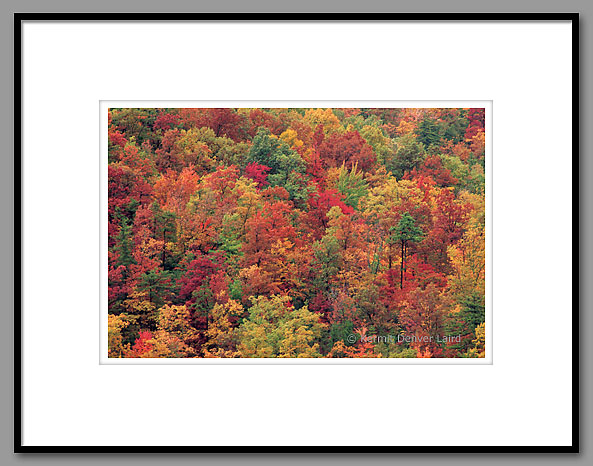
{"points": [[405, 233], [164, 230], [408, 155], [157, 284], [454, 125], [287, 166], [327, 260], [352, 185], [428, 132], [124, 244]]}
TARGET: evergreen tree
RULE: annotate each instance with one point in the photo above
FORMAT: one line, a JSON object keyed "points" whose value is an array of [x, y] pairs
{"points": [[405, 233], [124, 245], [428, 132]]}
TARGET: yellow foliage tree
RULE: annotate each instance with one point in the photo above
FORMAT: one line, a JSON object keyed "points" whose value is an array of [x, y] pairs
{"points": [[325, 117], [468, 261], [221, 333], [275, 329], [173, 336], [290, 136], [479, 348], [139, 305], [195, 151], [115, 325]]}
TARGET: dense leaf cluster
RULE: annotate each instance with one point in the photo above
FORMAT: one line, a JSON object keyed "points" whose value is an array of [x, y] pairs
{"points": [[347, 232]]}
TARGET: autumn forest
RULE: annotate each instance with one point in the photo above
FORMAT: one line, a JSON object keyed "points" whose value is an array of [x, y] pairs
{"points": [[296, 233]]}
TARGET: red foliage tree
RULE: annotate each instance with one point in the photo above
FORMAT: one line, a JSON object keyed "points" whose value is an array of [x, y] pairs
{"points": [[257, 173], [319, 203], [166, 121], [433, 168], [223, 121], [477, 120], [348, 148]]}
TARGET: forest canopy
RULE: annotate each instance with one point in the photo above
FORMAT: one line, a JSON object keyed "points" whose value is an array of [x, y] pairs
{"points": [[296, 233]]}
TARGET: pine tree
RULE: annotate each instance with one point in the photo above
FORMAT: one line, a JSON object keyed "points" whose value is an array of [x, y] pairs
{"points": [[405, 233], [124, 245]]}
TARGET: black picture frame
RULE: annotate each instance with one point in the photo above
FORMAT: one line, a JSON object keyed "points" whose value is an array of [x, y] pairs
{"points": [[19, 18]]}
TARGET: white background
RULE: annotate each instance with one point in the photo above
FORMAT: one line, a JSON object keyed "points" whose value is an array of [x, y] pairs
{"points": [[524, 398]]}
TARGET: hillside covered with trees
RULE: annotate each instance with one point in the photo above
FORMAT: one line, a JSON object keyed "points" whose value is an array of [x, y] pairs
{"points": [[285, 233]]}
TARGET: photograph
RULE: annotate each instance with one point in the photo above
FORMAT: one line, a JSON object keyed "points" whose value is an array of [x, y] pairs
{"points": [[320, 206], [296, 233]]}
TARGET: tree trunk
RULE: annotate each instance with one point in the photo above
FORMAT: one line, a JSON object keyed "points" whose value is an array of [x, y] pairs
{"points": [[401, 271], [163, 256]]}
